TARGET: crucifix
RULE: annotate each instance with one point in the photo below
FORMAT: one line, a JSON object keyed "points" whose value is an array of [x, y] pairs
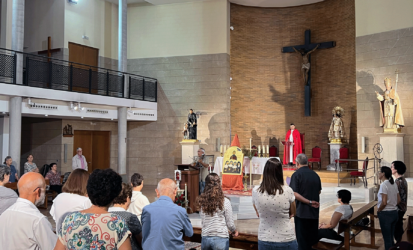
{"points": [[49, 49], [305, 51]]}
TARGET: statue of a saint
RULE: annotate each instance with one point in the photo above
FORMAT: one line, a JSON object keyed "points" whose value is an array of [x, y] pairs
{"points": [[391, 116], [336, 131], [192, 124], [306, 63]]}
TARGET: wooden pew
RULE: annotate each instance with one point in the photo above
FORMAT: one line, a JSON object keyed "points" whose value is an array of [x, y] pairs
{"points": [[243, 241], [12, 185], [350, 225], [408, 235]]}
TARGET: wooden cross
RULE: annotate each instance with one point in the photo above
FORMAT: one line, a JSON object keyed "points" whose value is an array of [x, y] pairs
{"points": [[306, 49], [49, 49]]}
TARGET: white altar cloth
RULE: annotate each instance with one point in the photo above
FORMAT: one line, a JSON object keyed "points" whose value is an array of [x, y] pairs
{"points": [[257, 163]]}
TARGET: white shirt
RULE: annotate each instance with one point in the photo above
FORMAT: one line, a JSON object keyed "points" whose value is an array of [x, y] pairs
{"points": [[346, 212], [24, 227], [77, 162], [66, 202], [116, 209], [138, 201], [391, 190], [274, 211]]}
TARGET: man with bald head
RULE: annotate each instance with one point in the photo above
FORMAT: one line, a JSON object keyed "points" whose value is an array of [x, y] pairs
{"points": [[163, 222], [22, 226]]}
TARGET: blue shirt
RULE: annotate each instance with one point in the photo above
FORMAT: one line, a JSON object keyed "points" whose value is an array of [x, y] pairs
{"points": [[12, 174], [164, 224]]}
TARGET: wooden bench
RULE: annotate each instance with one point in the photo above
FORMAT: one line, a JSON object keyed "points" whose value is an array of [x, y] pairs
{"points": [[349, 225], [12, 185], [243, 241], [407, 235], [49, 193]]}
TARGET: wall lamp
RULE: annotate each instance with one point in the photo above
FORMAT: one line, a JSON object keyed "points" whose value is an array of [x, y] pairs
{"points": [[76, 107]]}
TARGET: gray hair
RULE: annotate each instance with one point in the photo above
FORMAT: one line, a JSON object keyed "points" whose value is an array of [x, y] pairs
{"points": [[161, 187], [78, 149], [4, 170], [302, 159]]}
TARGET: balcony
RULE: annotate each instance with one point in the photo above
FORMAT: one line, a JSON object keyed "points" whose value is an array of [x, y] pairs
{"points": [[56, 74]]}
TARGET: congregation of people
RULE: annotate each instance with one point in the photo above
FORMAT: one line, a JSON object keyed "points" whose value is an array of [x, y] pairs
{"points": [[99, 211]]}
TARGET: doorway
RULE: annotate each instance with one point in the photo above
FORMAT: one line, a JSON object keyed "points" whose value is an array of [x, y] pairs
{"points": [[96, 148]]}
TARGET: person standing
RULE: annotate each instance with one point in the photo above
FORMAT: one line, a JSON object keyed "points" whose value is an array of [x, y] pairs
{"points": [[192, 124], [295, 148], [79, 160], [202, 167], [7, 196], [216, 215], [138, 200], [30, 166], [306, 185], [23, 225], [163, 222], [398, 169], [14, 177], [274, 204], [387, 199]]}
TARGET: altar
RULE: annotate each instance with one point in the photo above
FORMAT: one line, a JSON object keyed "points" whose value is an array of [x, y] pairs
{"points": [[257, 164]]}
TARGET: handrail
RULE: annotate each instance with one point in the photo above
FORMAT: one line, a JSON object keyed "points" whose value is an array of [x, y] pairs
{"points": [[45, 57], [48, 72], [337, 163]]}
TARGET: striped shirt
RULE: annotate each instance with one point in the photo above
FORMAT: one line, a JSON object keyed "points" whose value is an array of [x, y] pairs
{"points": [[219, 224]]}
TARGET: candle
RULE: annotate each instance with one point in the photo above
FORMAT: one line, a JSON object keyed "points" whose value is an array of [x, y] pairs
{"points": [[225, 148], [263, 149], [250, 143], [220, 149], [259, 149]]}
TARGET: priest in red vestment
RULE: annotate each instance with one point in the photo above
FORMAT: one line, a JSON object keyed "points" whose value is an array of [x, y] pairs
{"points": [[293, 135]]}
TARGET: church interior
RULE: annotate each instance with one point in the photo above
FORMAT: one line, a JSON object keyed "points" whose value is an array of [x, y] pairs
{"points": [[123, 79]]}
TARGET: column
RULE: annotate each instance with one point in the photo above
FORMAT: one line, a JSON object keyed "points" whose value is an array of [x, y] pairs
{"points": [[122, 66], [15, 114], [122, 138], [4, 137], [17, 36]]}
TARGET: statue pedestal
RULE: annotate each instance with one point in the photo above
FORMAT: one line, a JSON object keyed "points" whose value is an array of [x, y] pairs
{"points": [[189, 150], [393, 149], [334, 155]]}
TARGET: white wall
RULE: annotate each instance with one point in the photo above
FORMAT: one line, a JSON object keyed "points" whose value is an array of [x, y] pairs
{"points": [[193, 28], [6, 16], [96, 19], [376, 16], [43, 18]]}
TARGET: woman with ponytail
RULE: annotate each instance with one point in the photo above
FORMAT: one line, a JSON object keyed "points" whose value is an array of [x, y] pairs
{"points": [[216, 215], [388, 198]]}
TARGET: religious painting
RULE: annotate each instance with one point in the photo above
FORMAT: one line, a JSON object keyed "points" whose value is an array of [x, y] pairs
{"points": [[232, 162]]}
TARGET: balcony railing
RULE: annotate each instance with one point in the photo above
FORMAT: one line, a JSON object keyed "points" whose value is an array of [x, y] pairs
{"points": [[52, 73]]}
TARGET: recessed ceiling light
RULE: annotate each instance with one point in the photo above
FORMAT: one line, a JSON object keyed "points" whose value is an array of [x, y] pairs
{"points": [[46, 115]]}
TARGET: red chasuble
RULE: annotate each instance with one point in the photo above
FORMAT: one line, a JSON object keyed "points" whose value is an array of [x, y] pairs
{"points": [[297, 148]]}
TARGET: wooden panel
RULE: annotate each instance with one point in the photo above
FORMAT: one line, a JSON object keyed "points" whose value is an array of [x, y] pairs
{"points": [[191, 178], [83, 139], [90, 56], [101, 150], [76, 53]]}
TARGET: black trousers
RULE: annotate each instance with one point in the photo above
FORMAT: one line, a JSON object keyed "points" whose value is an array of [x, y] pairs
{"points": [[398, 231], [329, 234], [306, 231]]}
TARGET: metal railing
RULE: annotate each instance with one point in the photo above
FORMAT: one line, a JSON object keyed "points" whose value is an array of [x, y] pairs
{"points": [[52, 73], [364, 170]]}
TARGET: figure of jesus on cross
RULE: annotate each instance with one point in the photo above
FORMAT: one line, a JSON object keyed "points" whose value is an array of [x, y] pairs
{"points": [[306, 62]]}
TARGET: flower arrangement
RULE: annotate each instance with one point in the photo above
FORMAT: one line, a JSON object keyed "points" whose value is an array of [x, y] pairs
{"points": [[180, 199]]}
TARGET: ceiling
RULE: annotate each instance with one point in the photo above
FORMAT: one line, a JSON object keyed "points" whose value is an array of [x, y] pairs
{"points": [[274, 3], [254, 3]]}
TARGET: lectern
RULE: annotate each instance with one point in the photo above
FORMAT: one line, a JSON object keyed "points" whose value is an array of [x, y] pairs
{"points": [[191, 178], [287, 145]]}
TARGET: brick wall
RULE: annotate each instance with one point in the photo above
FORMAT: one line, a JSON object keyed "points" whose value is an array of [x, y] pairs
{"points": [[378, 56], [267, 87]]}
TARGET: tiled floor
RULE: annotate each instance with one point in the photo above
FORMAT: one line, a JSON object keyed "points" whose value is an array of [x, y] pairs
{"points": [[251, 226]]}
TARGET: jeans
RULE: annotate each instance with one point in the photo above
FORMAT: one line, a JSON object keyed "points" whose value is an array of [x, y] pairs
{"points": [[214, 243], [388, 220], [201, 187], [266, 245], [398, 231]]}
